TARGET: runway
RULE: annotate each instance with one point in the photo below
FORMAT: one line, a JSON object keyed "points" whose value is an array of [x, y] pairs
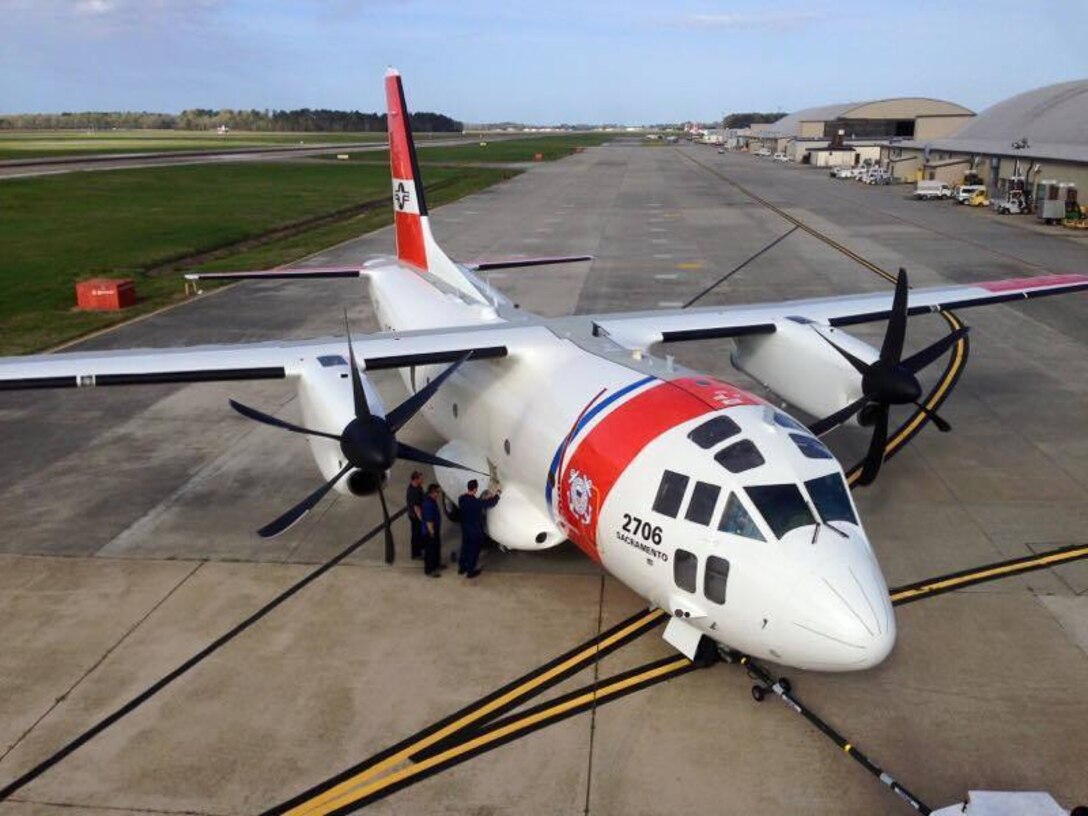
{"points": [[129, 516]]}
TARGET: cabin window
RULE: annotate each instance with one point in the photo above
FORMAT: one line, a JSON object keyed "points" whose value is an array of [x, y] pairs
{"points": [[786, 421], [736, 520], [331, 360], [670, 493], [703, 500], [685, 567], [811, 447], [829, 495], [715, 579], [739, 457], [713, 431], [783, 507]]}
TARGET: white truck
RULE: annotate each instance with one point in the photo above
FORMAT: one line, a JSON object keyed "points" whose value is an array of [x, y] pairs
{"points": [[929, 190]]}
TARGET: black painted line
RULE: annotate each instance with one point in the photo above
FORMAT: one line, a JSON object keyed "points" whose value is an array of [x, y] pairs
{"points": [[192, 662], [931, 587], [651, 620], [602, 697]]}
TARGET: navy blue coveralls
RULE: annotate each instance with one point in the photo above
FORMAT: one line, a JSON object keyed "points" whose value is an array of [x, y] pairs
{"points": [[472, 529], [414, 500], [432, 514]]}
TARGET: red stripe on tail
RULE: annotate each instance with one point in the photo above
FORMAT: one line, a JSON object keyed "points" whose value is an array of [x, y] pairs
{"points": [[409, 206]]}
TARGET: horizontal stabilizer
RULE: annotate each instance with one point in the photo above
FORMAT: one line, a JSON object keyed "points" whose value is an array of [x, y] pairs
{"points": [[286, 273], [514, 263]]}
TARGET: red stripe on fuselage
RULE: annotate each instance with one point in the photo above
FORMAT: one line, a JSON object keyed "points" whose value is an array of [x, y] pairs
{"points": [[1038, 282], [612, 444]]}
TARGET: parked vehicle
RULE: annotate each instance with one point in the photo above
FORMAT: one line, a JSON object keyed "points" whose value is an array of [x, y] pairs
{"points": [[763, 152], [1014, 203], [965, 192], [780, 157], [928, 189], [978, 199], [877, 175]]}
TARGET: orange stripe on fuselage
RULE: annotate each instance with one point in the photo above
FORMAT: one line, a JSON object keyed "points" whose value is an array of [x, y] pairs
{"points": [[612, 444]]}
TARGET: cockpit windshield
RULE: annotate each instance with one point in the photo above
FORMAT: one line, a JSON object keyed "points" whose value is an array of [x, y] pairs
{"points": [[783, 507], [829, 495]]}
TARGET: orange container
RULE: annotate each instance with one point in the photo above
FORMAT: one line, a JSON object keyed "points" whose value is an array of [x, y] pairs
{"points": [[538, 157], [105, 294]]}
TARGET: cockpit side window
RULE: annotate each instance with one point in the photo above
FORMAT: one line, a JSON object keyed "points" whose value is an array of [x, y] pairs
{"points": [[713, 431], [739, 457], [829, 495], [810, 446], [715, 579], [736, 520], [685, 567], [670, 493], [703, 500], [783, 507]]}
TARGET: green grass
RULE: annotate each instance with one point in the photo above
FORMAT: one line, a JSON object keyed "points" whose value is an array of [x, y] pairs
{"points": [[56, 230], [21, 144], [503, 151]]}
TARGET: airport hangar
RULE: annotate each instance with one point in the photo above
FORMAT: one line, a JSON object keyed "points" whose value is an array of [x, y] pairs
{"points": [[1040, 134], [849, 133]]}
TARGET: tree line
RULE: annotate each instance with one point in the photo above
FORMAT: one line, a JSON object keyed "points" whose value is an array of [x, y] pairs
{"points": [[743, 120], [302, 120]]}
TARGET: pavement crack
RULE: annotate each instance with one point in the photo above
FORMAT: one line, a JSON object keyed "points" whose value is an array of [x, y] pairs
{"points": [[593, 710], [102, 659]]}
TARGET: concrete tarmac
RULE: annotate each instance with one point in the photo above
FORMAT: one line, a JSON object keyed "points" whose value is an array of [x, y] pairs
{"points": [[129, 515]]}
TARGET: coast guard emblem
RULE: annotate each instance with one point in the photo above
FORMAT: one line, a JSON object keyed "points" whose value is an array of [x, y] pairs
{"points": [[579, 488]]}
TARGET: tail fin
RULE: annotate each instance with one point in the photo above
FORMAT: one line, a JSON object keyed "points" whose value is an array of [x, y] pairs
{"points": [[416, 245]]}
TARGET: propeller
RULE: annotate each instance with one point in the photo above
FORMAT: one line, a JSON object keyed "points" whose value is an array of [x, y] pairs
{"points": [[888, 381], [368, 442]]}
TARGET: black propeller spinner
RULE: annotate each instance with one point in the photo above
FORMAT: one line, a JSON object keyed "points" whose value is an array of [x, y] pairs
{"points": [[369, 444], [888, 381]]}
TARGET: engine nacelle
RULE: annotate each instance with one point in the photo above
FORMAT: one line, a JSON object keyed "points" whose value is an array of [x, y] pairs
{"points": [[800, 365], [324, 393]]}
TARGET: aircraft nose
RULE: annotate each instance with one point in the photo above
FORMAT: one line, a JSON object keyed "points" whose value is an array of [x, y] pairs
{"points": [[844, 617]]}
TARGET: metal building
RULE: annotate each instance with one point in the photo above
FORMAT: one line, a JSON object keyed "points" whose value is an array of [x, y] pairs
{"points": [[1040, 134]]}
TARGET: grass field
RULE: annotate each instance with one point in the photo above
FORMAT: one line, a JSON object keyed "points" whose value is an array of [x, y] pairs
{"points": [[508, 151], [56, 230], [21, 144]]}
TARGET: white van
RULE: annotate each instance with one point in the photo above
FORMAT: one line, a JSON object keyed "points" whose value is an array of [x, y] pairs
{"points": [[964, 192], [926, 189]]}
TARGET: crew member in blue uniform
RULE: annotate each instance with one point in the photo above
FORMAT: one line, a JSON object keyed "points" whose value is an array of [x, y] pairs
{"points": [[472, 527], [414, 501], [432, 531]]}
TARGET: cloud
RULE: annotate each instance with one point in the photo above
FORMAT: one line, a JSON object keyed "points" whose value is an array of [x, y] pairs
{"points": [[755, 19]]}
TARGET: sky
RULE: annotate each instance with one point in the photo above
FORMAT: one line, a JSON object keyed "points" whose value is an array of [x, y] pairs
{"points": [[545, 62]]}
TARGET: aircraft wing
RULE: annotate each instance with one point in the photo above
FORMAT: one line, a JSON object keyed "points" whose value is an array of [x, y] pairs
{"points": [[251, 361], [644, 329]]}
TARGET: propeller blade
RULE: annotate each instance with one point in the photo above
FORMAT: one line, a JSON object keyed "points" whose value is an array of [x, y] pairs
{"points": [[390, 550], [416, 455], [941, 424], [875, 457], [860, 366], [916, 362], [822, 426], [260, 416], [358, 393], [410, 407], [892, 348], [296, 513]]}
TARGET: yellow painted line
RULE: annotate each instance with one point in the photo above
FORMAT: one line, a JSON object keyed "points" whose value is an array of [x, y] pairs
{"points": [[327, 805], [469, 718], [992, 572], [690, 265]]}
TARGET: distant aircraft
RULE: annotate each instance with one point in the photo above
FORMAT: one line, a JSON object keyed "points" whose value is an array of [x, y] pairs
{"points": [[706, 500]]}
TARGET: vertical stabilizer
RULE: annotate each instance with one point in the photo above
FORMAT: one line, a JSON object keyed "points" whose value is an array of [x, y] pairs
{"points": [[415, 243]]}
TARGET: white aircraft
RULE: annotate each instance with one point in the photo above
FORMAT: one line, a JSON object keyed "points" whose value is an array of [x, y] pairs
{"points": [[703, 498]]}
